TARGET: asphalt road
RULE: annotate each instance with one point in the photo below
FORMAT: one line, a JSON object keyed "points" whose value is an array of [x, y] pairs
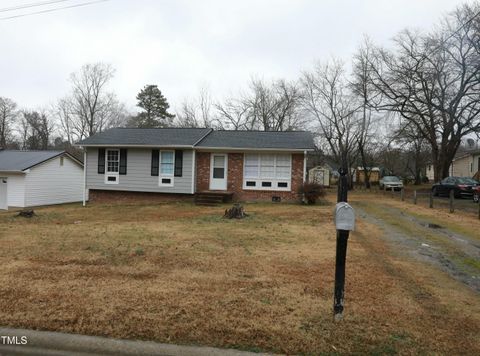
{"points": [[36, 343]]}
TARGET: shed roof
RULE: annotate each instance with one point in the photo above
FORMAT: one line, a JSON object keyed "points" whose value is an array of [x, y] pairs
{"points": [[146, 137], [18, 161]]}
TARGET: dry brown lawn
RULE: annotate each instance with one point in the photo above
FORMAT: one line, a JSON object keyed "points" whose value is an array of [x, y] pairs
{"points": [[179, 273]]}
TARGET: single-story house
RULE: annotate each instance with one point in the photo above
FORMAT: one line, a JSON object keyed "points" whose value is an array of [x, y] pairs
{"points": [[465, 164], [33, 178], [248, 165]]}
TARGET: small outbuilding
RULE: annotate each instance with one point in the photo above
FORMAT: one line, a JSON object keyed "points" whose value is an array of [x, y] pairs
{"points": [[319, 175], [33, 178]]}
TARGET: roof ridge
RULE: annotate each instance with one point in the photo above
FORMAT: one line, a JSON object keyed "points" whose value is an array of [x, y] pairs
{"points": [[159, 128], [262, 131], [6, 150]]}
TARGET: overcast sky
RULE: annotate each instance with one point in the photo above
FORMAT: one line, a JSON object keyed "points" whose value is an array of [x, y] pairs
{"points": [[184, 45]]}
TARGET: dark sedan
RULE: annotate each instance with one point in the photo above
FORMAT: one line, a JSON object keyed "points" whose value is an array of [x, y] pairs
{"points": [[461, 186]]}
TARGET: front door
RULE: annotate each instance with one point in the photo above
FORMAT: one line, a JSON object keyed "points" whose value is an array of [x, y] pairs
{"points": [[3, 194], [218, 171]]}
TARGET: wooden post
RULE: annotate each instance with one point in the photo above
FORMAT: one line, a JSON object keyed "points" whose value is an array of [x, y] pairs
{"points": [[431, 200], [393, 192], [478, 203], [452, 196], [415, 197], [402, 194], [341, 253]]}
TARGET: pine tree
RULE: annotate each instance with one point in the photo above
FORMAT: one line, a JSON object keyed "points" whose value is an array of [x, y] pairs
{"points": [[155, 107]]}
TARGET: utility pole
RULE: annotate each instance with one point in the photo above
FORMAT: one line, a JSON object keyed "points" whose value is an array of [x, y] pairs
{"points": [[344, 222]]}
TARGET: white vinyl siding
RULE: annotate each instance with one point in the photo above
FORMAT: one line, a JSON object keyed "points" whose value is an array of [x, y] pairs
{"points": [[267, 171], [53, 183], [138, 177], [15, 190]]}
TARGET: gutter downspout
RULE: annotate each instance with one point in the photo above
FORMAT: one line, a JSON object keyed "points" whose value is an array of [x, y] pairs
{"points": [[304, 172], [194, 165], [84, 176], [304, 166]]}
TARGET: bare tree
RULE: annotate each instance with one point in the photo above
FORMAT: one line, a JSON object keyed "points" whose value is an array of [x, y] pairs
{"points": [[368, 98], [233, 114], [414, 148], [35, 130], [8, 114], [432, 81], [64, 113], [91, 108], [275, 106], [328, 99], [197, 112]]}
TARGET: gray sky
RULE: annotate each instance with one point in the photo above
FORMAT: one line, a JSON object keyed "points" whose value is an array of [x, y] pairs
{"points": [[184, 45]]}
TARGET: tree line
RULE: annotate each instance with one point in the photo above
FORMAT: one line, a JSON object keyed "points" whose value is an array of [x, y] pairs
{"points": [[402, 106]]}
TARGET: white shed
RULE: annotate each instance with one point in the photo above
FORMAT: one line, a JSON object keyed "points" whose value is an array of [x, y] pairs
{"points": [[33, 178], [320, 175]]}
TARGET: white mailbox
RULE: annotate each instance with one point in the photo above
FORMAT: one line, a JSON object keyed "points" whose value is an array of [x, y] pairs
{"points": [[344, 217]]}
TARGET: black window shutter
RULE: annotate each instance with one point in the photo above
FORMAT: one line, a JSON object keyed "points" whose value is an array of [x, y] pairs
{"points": [[178, 163], [101, 161], [155, 161], [123, 162]]}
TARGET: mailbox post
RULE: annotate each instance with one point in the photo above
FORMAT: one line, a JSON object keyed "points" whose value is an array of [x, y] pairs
{"points": [[344, 223]]}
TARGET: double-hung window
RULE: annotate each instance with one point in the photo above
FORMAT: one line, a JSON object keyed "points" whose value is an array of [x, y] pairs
{"points": [[267, 171], [167, 168], [112, 158]]}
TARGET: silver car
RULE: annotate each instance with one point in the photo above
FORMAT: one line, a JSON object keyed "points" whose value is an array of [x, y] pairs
{"points": [[389, 182]]}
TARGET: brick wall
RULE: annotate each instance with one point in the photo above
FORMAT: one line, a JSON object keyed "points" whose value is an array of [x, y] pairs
{"points": [[235, 178], [203, 171], [119, 196]]}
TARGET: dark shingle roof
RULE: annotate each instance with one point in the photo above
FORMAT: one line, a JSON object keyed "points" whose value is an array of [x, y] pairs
{"points": [[146, 137], [295, 140], [17, 161]]}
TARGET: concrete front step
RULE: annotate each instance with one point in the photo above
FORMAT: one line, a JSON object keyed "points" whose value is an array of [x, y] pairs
{"points": [[212, 198]]}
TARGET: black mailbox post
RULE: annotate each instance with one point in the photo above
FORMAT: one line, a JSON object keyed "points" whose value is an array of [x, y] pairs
{"points": [[344, 222]]}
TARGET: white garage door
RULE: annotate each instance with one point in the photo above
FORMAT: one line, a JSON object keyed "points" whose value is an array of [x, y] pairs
{"points": [[3, 194]]}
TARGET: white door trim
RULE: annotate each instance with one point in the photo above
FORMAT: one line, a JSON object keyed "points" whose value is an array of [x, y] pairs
{"points": [[219, 183], [3, 193]]}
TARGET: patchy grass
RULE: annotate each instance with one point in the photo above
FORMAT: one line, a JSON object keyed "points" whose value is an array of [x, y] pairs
{"points": [[462, 222], [181, 274]]}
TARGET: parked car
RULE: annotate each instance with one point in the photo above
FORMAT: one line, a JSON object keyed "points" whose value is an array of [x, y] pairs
{"points": [[389, 182], [476, 194], [461, 186]]}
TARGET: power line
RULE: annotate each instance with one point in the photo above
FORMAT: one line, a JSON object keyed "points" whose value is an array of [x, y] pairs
{"points": [[52, 10], [35, 4], [456, 32]]}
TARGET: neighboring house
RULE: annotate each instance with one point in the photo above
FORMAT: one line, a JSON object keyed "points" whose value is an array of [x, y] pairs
{"points": [[32, 178], [249, 165], [466, 164]]}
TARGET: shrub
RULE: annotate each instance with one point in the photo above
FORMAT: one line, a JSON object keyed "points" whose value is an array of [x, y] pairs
{"points": [[311, 192]]}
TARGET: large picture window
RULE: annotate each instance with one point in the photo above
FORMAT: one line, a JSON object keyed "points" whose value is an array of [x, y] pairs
{"points": [[267, 171]]}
